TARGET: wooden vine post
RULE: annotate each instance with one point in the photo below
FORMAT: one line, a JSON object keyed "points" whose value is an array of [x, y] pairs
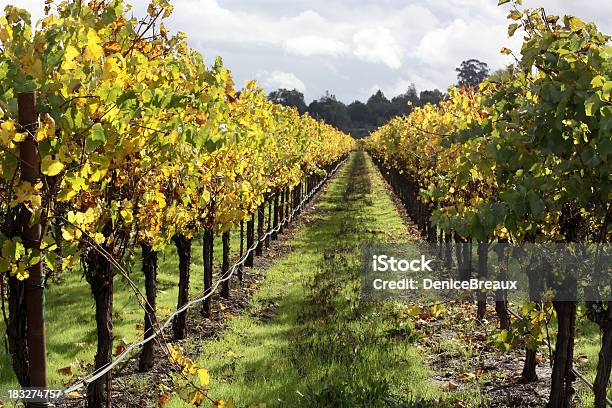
{"points": [[31, 233]]}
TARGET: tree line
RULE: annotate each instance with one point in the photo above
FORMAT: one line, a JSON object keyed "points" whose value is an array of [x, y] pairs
{"points": [[360, 118]]}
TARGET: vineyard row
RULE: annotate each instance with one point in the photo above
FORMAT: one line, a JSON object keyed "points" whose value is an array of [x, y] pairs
{"points": [[115, 136], [526, 158]]}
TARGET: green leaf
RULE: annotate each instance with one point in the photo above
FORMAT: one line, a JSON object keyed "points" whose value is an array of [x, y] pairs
{"points": [[502, 2], [607, 89], [97, 137], [4, 265], [598, 81], [512, 29], [593, 104], [515, 201], [13, 250], [109, 93], [51, 260], [515, 15], [9, 166], [604, 148], [574, 23], [536, 205]]}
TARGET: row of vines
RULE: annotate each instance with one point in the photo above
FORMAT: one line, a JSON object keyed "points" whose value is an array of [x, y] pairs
{"points": [[526, 158], [116, 136]]}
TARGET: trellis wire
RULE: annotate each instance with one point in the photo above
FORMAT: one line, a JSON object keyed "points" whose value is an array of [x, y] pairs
{"points": [[103, 370]]}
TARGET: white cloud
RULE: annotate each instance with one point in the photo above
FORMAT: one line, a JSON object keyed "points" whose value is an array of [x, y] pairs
{"points": [[379, 46], [306, 33], [308, 45], [280, 79], [443, 49]]}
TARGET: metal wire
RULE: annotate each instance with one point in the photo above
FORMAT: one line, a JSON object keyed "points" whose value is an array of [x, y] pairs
{"points": [[104, 370]]}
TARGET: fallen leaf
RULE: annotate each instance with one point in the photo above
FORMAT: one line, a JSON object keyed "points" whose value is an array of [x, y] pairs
{"points": [[449, 386], [74, 395], [467, 377], [163, 398], [65, 370], [121, 347], [582, 359]]}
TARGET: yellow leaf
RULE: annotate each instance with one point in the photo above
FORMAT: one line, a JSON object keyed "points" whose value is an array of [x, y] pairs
{"points": [[6, 135], [27, 192], [66, 194], [112, 46], [99, 238], [598, 81], [19, 137], [20, 272], [204, 377], [196, 398], [51, 167], [111, 69], [224, 404], [161, 200], [70, 56], [127, 216], [67, 235], [93, 50], [47, 130]]}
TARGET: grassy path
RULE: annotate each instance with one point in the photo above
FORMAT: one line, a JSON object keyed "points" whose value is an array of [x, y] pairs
{"points": [[323, 347]]}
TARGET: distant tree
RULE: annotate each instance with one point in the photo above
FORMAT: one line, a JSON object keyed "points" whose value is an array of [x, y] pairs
{"points": [[471, 73], [402, 104], [380, 107], [433, 97], [328, 97], [359, 113], [332, 111], [289, 98], [360, 118]]}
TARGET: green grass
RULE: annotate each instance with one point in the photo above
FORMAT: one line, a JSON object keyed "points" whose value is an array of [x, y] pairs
{"points": [[587, 344], [324, 347]]}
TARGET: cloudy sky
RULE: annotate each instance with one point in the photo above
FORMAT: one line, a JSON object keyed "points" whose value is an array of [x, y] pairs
{"points": [[352, 47]]}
